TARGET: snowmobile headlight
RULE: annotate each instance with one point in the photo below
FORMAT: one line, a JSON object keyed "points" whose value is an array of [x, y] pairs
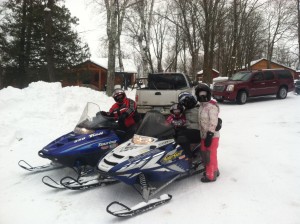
{"points": [[83, 131], [142, 140]]}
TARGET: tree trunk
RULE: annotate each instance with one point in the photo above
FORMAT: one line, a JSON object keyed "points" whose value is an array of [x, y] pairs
{"points": [[21, 80], [176, 49], [235, 42], [48, 39], [112, 35], [146, 33], [211, 12], [298, 10], [142, 36], [206, 69], [120, 14], [195, 64]]}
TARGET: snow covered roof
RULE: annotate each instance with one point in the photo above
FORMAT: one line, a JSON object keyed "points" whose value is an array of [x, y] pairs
{"points": [[261, 59], [129, 65], [201, 71]]}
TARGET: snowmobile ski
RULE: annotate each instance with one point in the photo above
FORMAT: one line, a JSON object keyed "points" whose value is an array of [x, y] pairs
{"points": [[51, 166], [52, 183], [142, 207], [191, 173], [47, 180], [84, 183]]}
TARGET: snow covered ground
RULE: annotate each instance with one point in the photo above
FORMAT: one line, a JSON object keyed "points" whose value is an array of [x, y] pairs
{"points": [[258, 159]]}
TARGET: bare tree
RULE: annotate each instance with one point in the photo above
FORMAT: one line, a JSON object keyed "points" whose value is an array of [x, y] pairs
{"points": [[115, 16], [174, 47], [189, 23], [111, 30], [298, 26], [176, 59], [160, 30], [213, 11], [238, 31], [278, 15], [121, 11], [138, 26], [253, 40]]}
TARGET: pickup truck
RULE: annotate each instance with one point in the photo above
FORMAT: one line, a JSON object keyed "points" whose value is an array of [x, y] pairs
{"points": [[161, 91]]}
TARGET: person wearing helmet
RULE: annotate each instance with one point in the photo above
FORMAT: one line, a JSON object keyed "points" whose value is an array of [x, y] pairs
{"points": [[208, 122], [176, 118], [190, 134], [191, 107], [125, 111]]}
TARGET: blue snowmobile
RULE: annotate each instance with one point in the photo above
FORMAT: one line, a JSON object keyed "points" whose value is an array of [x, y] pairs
{"points": [[81, 149], [149, 162]]}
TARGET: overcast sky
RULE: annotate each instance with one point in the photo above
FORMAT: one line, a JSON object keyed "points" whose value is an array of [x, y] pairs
{"points": [[91, 27]]}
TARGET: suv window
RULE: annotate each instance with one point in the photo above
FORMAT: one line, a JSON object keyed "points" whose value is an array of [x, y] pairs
{"points": [[240, 76], [269, 75], [284, 74], [258, 76]]}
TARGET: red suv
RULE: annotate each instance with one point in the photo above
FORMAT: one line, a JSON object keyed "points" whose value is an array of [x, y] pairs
{"points": [[246, 84]]}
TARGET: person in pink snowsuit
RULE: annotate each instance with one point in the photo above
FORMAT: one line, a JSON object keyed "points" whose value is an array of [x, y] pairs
{"points": [[208, 122]]}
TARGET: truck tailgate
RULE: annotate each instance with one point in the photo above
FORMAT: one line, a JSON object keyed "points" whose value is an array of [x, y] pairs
{"points": [[158, 97]]}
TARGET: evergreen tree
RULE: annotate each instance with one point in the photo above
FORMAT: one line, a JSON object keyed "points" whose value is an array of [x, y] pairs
{"points": [[23, 41]]}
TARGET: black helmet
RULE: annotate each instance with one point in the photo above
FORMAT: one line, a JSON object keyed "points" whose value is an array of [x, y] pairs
{"points": [[203, 93], [187, 100], [176, 109], [119, 95]]}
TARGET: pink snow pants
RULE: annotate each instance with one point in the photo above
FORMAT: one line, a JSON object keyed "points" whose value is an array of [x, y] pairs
{"points": [[212, 166]]}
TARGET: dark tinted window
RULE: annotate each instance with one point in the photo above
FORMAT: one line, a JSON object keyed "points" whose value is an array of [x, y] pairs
{"points": [[284, 74], [166, 81], [269, 75], [258, 76], [180, 82]]}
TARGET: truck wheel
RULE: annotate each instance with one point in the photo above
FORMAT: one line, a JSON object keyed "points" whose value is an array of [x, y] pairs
{"points": [[241, 97], [282, 93]]}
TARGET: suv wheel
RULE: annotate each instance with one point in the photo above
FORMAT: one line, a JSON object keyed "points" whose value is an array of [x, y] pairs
{"points": [[282, 93], [241, 97]]}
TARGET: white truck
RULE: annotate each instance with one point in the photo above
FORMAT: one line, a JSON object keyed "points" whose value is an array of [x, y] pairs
{"points": [[161, 91]]}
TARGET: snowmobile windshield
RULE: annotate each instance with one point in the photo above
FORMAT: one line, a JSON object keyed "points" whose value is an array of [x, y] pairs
{"points": [[241, 76], [154, 125], [89, 121]]}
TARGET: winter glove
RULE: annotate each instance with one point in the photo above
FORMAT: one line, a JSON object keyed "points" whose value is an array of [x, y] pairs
{"points": [[208, 139], [219, 125], [122, 117], [104, 113]]}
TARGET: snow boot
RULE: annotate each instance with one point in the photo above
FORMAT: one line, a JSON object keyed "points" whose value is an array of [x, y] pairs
{"points": [[217, 172], [206, 180]]}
